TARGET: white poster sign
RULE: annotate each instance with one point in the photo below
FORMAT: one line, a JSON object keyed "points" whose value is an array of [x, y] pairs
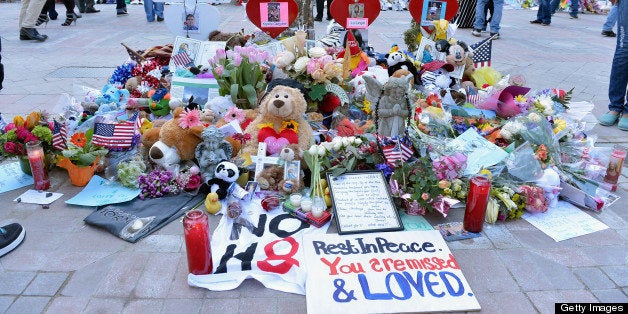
{"points": [[406, 271], [269, 250]]}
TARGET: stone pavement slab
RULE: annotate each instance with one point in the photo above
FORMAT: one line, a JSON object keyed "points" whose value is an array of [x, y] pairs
{"points": [[64, 266]]}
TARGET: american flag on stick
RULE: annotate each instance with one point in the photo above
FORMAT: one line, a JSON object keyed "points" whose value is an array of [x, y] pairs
{"points": [[59, 135], [482, 53], [397, 151], [116, 135], [134, 55]]}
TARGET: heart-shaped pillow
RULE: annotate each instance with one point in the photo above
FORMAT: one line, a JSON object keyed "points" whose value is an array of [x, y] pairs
{"points": [[274, 145], [272, 17]]}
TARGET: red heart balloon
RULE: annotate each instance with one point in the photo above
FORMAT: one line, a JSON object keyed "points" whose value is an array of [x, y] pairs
{"points": [[272, 17], [340, 10], [416, 9]]}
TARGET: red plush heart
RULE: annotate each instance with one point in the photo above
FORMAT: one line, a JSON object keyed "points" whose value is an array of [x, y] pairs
{"points": [[416, 9], [261, 14], [340, 10]]}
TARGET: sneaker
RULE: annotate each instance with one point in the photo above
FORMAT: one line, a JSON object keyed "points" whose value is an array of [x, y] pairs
{"points": [[609, 33], [573, 16], [160, 19], [10, 237], [476, 32], [122, 13], [495, 35]]}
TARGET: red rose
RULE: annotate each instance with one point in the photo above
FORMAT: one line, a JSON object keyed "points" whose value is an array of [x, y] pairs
{"points": [[9, 147], [193, 183]]}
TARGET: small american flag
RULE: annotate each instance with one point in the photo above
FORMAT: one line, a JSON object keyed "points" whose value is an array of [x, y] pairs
{"points": [[116, 135], [473, 97], [59, 136], [398, 151], [182, 59], [482, 53]]}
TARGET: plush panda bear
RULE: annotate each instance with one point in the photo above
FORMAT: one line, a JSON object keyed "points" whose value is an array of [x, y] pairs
{"points": [[396, 61], [225, 174]]}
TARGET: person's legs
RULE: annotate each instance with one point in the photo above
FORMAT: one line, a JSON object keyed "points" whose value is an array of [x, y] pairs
{"points": [[611, 19], [619, 68], [81, 5], [478, 22], [89, 7], [43, 16], [496, 17], [573, 13], [319, 10], [29, 12], [148, 9], [554, 5], [544, 14], [159, 10], [121, 7], [328, 10]]}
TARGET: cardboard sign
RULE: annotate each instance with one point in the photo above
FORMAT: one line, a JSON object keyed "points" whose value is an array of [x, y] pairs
{"points": [[272, 17], [271, 251], [355, 13], [362, 203], [410, 271], [100, 191]]}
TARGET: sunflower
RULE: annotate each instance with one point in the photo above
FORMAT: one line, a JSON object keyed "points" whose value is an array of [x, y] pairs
{"points": [[79, 139]]}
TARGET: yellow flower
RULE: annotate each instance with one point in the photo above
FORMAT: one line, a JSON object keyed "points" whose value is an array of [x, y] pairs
{"points": [[367, 106], [487, 173], [559, 125], [291, 124], [18, 121], [521, 99], [265, 125]]}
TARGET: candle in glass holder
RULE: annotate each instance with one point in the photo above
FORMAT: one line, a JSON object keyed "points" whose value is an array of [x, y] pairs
{"points": [[318, 206], [615, 165], [196, 231], [306, 204], [477, 199], [295, 199], [38, 167]]}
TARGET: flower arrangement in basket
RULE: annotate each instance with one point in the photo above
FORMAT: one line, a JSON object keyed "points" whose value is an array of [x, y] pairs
{"points": [[241, 73], [80, 157], [21, 131]]}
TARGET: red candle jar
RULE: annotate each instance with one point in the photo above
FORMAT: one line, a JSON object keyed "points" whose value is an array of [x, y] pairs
{"points": [[38, 166], [196, 231], [477, 199]]}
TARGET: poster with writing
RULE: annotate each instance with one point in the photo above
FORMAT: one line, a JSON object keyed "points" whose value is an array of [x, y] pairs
{"points": [[362, 203], [269, 249], [481, 153], [100, 191], [564, 221], [408, 271], [12, 177]]}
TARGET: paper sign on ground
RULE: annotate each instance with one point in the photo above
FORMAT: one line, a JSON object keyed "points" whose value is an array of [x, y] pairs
{"points": [[414, 222], [480, 152], [406, 271], [12, 177], [38, 197], [269, 250], [100, 192], [564, 221]]}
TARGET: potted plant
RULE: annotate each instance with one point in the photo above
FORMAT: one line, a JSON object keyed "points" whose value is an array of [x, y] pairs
{"points": [[80, 157], [21, 131]]}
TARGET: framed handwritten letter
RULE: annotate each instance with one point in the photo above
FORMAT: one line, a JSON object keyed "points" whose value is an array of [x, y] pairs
{"points": [[362, 203]]}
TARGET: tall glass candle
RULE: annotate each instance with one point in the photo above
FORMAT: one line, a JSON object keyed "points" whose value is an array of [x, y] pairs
{"points": [[615, 165], [38, 166], [477, 199], [196, 231]]}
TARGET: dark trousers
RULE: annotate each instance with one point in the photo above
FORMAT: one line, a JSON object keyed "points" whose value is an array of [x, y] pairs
{"points": [[120, 5], [319, 8], [50, 4]]}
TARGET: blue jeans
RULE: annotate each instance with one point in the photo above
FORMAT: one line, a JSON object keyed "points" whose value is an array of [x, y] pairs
{"points": [[573, 6], [153, 8], [496, 17], [619, 69], [611, 19], [544, 14]]}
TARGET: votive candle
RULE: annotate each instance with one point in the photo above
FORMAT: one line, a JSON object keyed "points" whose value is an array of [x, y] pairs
{"points": [[38, 167]]}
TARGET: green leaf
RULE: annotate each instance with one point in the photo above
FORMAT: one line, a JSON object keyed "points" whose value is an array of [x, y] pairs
{"points": [[338, 171], [234, 92], [351, 164], [317, 92], [251, 94]]}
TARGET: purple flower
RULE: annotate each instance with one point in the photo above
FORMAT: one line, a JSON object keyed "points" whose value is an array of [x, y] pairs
{"points": [[237, 59], [221, 54]]}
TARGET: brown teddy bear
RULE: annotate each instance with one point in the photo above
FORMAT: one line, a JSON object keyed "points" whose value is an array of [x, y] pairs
{"points": [[280, 121], [231, 39], [175, 143]]}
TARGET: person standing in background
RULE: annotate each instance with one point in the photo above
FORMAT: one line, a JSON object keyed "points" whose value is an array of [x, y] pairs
{"points": [[611, 19], [86, 6], [618, 106], [70, 16], [479, 22], [121, 8], [544, 14], [28, 17], [152, 9], [573, 5], [320, 5]]}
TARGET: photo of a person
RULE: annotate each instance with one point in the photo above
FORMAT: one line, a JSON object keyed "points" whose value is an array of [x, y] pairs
{"points": [[356, 10], [189, 22], [432, 11], [274, 12], [250, 188], [291, 170]]}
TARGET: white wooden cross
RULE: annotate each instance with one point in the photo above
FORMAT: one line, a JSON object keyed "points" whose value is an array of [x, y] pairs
{"points": [[260, 160]]}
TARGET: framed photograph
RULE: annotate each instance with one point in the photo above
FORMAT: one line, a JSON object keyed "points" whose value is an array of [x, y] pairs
{"points": [[362, 203], [184, 52], [190, 22], [274, 14], [432, 11], [201, 89], [426, 45], [356, 10], [250, 188], [292, 170]]}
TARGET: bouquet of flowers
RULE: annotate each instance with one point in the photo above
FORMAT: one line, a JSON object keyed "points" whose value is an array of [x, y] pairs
{"points": [[241, 73], [416, 184], [21, 131], [81, 151], [317, 67], [342, 154]]}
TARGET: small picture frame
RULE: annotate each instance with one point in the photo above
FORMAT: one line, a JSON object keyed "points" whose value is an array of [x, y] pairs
{"points": [[426, 45], [190, 22], [292, 171], [251, 188], [356, 10], [433, 10]]}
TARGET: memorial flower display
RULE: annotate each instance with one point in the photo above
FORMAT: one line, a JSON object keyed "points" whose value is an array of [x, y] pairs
{"points": [[23, 130]]}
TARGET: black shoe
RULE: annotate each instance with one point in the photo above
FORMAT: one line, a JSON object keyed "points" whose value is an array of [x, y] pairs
{"points": [[318, 19], [31, 34], [573, 16], [10, 237], [329, 18], [53, 14], [91, 10], [122, 13], [609, 33], [160, 19], [69, 18], [536, 22], [43, 18], [495, 35]]}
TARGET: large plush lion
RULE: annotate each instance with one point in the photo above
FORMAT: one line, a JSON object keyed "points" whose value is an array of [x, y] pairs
{"points": [[281, 119]]}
